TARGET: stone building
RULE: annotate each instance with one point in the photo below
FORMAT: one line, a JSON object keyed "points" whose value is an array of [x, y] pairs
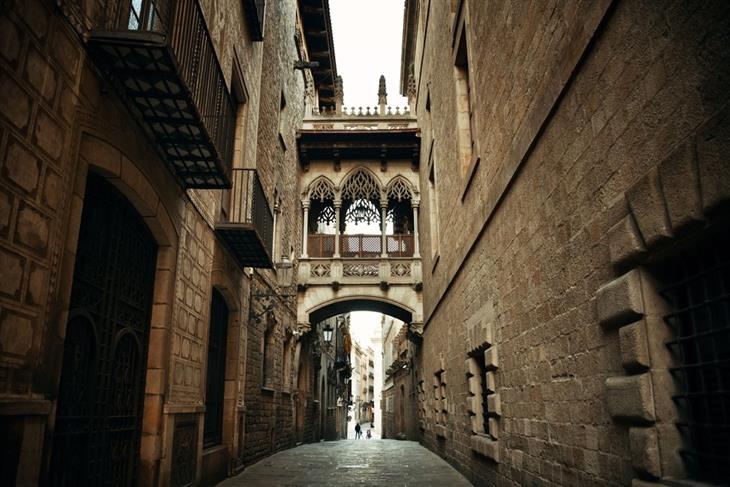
{"points": [[401, 417], [363, 383], [141, 183], [575, 183]]}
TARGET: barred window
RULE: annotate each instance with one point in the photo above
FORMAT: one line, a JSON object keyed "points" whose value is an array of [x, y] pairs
{"points": [[696, 284]]}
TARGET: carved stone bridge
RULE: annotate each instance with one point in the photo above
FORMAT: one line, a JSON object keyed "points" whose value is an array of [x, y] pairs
{"points": [[360, 204]]}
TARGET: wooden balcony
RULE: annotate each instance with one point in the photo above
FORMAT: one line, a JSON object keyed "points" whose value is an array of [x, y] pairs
{"points": [[360, 245], [321, 245], [159, 57], [249, 231]]}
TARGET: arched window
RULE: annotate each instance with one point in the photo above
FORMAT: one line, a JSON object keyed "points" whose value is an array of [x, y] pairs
{"points": [[216, 372], [400, 213], [360, 221], [321, 223]]}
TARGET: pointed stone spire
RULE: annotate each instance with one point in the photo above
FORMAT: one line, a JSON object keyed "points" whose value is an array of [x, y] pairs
{"points": [[339, 94], [382, 95]]}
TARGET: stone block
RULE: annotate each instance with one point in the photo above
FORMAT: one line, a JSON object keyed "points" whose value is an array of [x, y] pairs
{"points": [[21, 167], [644, 446], [491, 358], [630, 398], [35, 16], [102, 155], [475, 385], [634, 349], [494, 428], [16, 333], [139, 191], [494, 404], [620, 301], [14, 102], [32, 229], [625, 244], [491, 382], [485, 446], [477, 423], [48, 135], [472, 367], [713, 159], [647, 205], [40, 75], [12, 266], [37, 285], [10, 40], [681, 187], [53, 190], [6, 207]]}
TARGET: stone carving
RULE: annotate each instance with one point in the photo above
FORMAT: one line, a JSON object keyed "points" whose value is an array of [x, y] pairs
{"points": [[321, 270], [400, 269], [399, 189], [360, 270]]}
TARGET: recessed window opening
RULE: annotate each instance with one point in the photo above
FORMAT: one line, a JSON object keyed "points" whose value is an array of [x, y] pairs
{"points": [[216, 371], [697, 286], [464, 109]]}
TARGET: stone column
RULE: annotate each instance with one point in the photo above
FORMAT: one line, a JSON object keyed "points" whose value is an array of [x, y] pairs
{"points": [[337, 204], [383, 226], [416, 247], [382, 95], [305, 228]]}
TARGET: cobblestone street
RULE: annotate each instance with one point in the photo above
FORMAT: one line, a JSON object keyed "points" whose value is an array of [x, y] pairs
{"points": [[350, 462]]}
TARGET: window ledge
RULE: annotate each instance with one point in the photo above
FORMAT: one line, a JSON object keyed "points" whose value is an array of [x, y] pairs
{"points": [[211, 449], [270, 390], [485, 446]]}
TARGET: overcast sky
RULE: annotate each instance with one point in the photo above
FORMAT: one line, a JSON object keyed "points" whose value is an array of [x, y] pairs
{"points": [[367, 35]]}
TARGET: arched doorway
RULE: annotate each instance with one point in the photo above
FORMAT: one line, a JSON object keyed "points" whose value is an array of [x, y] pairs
{"points": [[99, 411]]}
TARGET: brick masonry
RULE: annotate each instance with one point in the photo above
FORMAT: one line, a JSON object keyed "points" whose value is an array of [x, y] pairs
{"points": [[575, 120]]}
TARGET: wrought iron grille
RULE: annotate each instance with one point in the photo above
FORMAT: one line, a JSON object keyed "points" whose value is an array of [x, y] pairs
{"points": [[216, 371], [698, 289], [99, 413], [184, 451]]}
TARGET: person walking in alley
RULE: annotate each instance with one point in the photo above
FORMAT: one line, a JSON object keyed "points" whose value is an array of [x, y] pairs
{"points": [[368, 435], [358, 431]]}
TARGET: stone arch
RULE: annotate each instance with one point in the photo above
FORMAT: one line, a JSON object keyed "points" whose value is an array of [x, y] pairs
{"points": [[96, 154], [361, 183], [360, 303], [321, 189], [400, 188]]}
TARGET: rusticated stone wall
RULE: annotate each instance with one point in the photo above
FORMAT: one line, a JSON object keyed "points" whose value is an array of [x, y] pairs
{"points": [[595, 125]]}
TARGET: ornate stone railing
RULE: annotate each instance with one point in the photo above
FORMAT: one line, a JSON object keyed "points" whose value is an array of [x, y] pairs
{"points": [[380, 271], [375, 111]]}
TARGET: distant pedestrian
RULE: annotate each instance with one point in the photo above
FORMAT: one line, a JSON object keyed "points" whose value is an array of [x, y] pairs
{"points": [[358, 431], [368, 435]]}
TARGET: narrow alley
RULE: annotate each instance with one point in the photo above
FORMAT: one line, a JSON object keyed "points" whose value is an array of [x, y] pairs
{"points": [[351, 462], [364, 242]]}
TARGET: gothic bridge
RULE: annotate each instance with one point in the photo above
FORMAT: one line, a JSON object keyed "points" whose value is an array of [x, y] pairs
{"points": [[360, 205]]}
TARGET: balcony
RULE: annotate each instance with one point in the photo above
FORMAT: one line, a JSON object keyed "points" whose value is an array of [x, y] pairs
{"points": [[367, 246], [160, 59], [249, 230]]}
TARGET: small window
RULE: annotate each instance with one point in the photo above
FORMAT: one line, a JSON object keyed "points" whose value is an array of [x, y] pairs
{"points": [[282, 120], [439, 396], [216, 371], [478, 391], [696, 284], [433, 209], [464, 108]]}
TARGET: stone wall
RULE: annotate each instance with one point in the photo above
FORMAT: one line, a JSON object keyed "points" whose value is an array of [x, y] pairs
{"points": [[270, 408], [574, 112], [60, 119]]}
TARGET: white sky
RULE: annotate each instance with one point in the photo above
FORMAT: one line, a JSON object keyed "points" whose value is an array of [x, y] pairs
{"points": [[363, 325], [367, 36]]}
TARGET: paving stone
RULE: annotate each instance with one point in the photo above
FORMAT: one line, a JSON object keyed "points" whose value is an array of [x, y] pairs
{"points": [[351, 462]]}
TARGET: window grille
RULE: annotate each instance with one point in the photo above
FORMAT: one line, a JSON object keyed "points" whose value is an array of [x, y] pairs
{"points": [[697, 283]]}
